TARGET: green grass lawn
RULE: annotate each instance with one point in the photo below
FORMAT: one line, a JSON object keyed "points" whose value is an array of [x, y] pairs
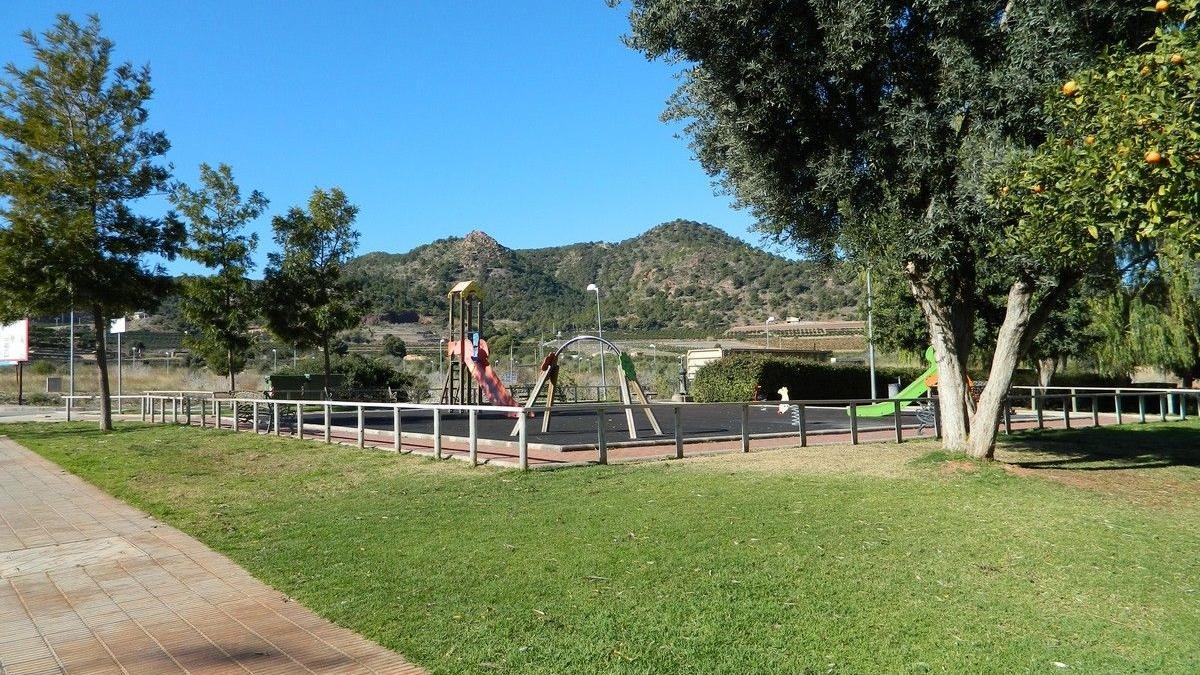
{"points": [[1085, 556]]}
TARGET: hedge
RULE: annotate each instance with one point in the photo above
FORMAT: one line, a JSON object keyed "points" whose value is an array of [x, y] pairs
{"points": [[733, 378]]}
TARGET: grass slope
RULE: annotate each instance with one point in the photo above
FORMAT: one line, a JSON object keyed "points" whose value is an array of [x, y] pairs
{"points": [[725, 565]]}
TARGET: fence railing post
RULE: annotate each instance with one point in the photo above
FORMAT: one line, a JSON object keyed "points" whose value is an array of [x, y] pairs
{"points": [[1074, 401], [216, 412], [473, 436], [143, 407], [937, 418], [328, 432], [203, 412], [361, 430], [601, 441], [1066, 414], [1162, 407], [437, 433], [522, 441], [678, 424], [1095, 411], [187, 409], [1141, 408], [275, 418], [299, 420], [899, 427], [802, 425], [745, 427], [853, 423], [1183, 402], [397, 430], [1117, 405]]}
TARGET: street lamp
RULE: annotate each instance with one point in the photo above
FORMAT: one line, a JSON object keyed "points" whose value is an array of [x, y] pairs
{"points": [[870, 335], [593, 288], [653, 352], [770, 320]]}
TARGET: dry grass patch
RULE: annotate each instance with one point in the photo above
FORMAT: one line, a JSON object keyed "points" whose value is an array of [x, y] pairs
{"points": [[884, 460]]}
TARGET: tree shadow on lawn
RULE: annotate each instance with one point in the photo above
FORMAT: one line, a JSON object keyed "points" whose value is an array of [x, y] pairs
{"points": [[1106, 448]]}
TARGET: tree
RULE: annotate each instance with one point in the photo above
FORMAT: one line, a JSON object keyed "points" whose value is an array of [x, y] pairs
{"points": [[394, 346], [1121, 164], [221, 307], [307, 300], [1152, 319], [75, 154], [871, 130]]}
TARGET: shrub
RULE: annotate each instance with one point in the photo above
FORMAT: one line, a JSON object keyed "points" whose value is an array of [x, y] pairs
{"points": [[394, 346], [734, 377]]}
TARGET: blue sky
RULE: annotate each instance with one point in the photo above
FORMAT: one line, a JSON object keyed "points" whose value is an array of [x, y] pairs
{"points": [[525, 118]]}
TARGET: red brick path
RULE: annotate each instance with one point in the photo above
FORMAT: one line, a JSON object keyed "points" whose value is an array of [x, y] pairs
{"points": [[89, 584]]}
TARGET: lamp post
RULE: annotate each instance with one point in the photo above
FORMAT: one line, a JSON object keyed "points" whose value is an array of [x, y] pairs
{"points": [[770, 320], [593, 288], [654, 353], [870, 335]]}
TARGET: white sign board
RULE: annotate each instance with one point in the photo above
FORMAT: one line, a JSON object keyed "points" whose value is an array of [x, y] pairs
{"points": [[117, 326], [14, 341]]}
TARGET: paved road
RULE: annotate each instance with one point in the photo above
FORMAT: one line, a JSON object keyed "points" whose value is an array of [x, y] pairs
{"points": [[570, 427]]}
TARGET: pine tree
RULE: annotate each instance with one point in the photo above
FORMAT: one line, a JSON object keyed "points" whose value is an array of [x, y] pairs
{"points": [[221, 307], [307, 299], [76, 155]]}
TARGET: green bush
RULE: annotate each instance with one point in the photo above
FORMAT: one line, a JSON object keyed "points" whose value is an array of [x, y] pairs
{"points": [[734, 377]]}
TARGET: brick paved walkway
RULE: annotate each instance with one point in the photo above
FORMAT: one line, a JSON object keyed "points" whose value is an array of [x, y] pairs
{"points": [[89, 584]]}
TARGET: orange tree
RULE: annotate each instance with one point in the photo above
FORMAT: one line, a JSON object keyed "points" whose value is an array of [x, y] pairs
{"points": [[1121, 165]]}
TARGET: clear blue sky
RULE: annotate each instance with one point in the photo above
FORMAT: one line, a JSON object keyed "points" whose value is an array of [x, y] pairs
{"points": [[525, 118]]}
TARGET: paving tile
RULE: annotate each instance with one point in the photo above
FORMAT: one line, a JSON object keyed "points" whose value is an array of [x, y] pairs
{"points": [[91, 585]]}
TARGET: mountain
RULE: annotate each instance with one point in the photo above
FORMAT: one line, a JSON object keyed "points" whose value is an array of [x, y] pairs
{"points": [[678, 275]]}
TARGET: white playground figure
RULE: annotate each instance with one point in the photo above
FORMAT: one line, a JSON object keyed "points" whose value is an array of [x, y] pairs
{"points": [[783, 397]]}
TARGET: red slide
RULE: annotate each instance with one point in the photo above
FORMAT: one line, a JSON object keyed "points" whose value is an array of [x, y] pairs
{"points": [[483, 373]]}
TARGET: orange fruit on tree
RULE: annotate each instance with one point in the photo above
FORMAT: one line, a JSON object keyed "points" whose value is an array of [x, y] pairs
{"points": [[1177, 59], [1146, 71], [1153, 157], [1162, 6], [1070, 88], [1038, 189]]}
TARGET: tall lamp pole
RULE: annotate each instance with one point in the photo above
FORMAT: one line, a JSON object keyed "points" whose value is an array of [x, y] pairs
{"points": [[770, 320], [600, 333], [870, 335]]}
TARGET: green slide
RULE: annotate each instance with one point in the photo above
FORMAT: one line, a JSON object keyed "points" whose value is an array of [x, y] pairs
{"points": [[910, 393]]}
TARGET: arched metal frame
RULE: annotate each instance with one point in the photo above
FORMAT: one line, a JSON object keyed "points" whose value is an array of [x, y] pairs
{"points": [[625, 383]]}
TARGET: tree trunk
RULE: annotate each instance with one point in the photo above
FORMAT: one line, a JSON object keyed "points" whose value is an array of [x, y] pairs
{"points": [[328, 370], [1021, 324], [1046, 367], [102, 368], [1010, 343], [232, 375], [950, 332]]}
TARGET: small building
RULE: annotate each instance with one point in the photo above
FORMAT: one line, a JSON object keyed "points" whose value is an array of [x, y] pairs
{"points": [[698, 358]]}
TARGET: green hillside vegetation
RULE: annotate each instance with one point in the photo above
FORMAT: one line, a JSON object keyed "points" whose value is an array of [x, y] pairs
{"points": [[681, 275]]}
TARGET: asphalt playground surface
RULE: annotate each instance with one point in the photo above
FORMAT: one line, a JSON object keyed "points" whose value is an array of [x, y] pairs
{"points": [[573, 427]]}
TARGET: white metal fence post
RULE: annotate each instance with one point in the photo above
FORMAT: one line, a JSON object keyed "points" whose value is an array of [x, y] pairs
{"points": [[601, 441], [437, 433], [523, 441], [473, 436], [361, 431], [299, 420], [745, 427], [328, 423], [397, 430]]}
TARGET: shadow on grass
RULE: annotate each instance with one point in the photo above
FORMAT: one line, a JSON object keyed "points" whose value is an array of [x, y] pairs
{"points": [[1108, 448]]}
